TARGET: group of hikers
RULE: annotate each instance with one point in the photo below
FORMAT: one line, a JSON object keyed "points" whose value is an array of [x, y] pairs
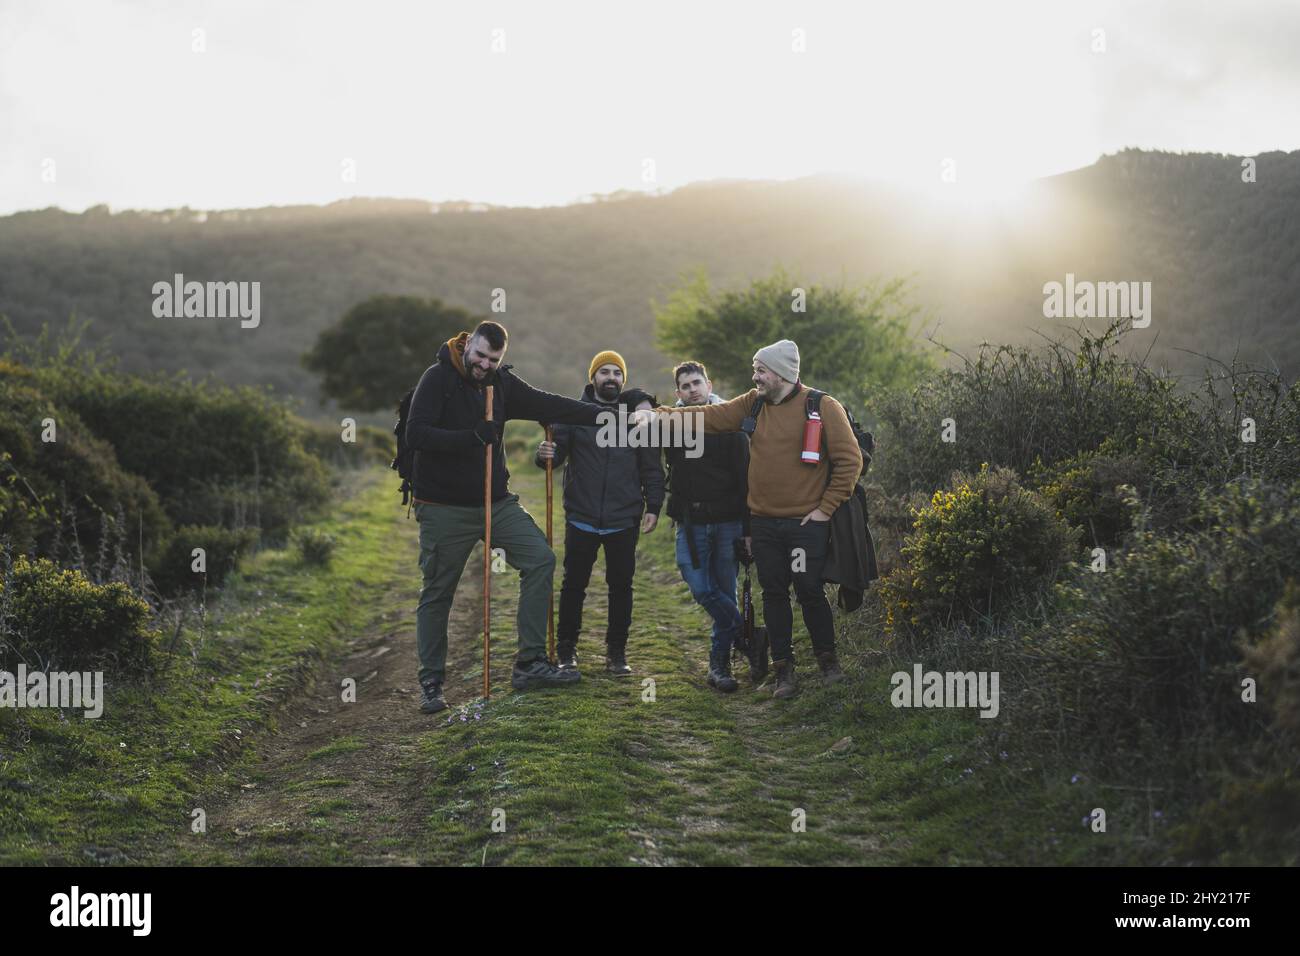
{"points": [[776, 464]]}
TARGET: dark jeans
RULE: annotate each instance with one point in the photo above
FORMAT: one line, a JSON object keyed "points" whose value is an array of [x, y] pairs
{"points": [[774, 544], [580, 549]]}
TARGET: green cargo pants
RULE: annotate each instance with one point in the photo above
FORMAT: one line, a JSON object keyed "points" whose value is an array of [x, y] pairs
{"points": [[448, 534]]}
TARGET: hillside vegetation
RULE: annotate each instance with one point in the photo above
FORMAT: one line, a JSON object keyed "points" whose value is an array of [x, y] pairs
{"points": [[1223, 257]]}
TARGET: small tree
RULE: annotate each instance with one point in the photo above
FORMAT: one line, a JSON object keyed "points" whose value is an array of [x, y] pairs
{"points": [[379, 349], [852, 341]]}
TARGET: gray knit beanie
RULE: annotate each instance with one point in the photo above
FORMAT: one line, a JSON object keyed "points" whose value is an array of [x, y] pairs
{"points": [[782, 358]]}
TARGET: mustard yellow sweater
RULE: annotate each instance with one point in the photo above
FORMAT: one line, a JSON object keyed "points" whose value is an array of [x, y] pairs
{"points": [[781, 485]]}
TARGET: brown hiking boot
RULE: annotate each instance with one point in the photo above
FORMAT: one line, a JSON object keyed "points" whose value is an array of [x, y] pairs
{"points": [[830, 665], [784, 679]]}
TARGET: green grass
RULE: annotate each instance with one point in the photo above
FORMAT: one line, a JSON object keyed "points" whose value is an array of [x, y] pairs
{"points": [[346, 745], [597, 775], [593, 775], [132, 775]]}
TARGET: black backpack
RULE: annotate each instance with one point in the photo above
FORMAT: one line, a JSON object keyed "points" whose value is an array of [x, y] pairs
{"points": [[404, 463], [812, 406]]}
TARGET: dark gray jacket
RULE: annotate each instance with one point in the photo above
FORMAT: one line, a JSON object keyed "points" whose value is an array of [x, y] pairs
{"points": [[606, 487]]}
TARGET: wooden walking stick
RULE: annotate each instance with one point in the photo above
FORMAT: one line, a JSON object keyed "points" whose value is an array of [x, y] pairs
{"points": [[487, 560], [550, 543]]}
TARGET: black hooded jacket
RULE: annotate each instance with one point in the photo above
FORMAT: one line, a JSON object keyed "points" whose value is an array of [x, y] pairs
{"points": [[449, 457]]}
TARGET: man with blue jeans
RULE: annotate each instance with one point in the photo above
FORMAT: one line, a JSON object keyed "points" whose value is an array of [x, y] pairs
{"points": [[707, 501]]}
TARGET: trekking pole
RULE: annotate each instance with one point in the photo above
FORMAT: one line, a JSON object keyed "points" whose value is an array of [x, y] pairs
{"points": [[487, 561], [550, 543]]}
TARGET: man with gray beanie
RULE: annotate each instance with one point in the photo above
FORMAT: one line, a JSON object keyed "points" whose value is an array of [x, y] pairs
{"points": [[803, 464]]}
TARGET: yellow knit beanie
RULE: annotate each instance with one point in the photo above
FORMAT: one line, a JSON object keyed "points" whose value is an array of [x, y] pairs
{"points": [[608, 357]]}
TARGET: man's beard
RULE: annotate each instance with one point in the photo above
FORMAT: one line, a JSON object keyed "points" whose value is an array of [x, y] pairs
{"points": [[608, 391]]}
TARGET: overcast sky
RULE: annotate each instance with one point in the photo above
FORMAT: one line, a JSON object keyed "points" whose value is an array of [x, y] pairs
{"points": [[112, 102]]}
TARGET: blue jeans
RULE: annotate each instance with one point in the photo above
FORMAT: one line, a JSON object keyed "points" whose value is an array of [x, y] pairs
{"points": [[713, 583]]}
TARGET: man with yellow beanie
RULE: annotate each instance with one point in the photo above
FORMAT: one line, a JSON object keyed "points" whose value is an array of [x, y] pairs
{"points": [[612, 495]]}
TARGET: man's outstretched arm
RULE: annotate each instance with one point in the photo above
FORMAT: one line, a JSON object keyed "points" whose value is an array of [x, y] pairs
{"points": [[726, 417], [525, 403]]}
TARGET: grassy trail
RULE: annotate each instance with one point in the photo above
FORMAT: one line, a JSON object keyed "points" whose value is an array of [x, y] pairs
{"points": [[657, 769]]}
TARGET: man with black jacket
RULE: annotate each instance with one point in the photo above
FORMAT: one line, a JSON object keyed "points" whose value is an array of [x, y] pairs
{"points": [[707, 498], [448, 430], [611, 496]]}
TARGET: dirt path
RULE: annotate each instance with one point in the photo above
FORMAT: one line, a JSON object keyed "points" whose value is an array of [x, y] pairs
{"points": [[345, 782], [602, 774]]}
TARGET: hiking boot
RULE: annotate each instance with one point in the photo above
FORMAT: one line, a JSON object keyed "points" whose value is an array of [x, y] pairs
{"points": [[830, 665], [784, 679], [541, 673], [723, 681], [616, 663], [431, 699], [566, 657], [720, 669]]}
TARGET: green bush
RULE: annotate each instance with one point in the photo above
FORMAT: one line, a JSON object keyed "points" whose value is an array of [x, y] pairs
{"points": [[973, 549], [853, 341], [1021, 408], [1096, 492], [315, 547], [1275, 663], [172, 567], [58, 619], [1043, 411], [1167, 620], [55, 493], [215, 455]]}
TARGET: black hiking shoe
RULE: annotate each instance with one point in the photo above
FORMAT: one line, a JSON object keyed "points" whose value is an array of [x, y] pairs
{"points": [[541, 673], [616, 663], [566, 657], [431, 700], [722, 680]]}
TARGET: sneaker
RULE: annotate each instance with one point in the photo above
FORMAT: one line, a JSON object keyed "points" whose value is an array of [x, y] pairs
{"points": [[566, 656], [616, 663], [431, 699], [541, 673], [722, 680]]}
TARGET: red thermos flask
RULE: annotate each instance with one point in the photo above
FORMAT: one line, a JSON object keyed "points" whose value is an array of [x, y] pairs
{"points": [[812, 440]]}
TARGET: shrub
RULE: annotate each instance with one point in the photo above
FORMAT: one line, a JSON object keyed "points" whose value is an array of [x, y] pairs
{"points": [[57, 618], [1040, 410], [172, 566], [55, 492], [1020, 408], [974, 548], [1275, 663], [215, 455], [315, 547], [1166, 619], [1096, 492]]}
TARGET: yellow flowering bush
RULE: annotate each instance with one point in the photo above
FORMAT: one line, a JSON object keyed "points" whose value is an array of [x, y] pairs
{"points": [[973, 548]]}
